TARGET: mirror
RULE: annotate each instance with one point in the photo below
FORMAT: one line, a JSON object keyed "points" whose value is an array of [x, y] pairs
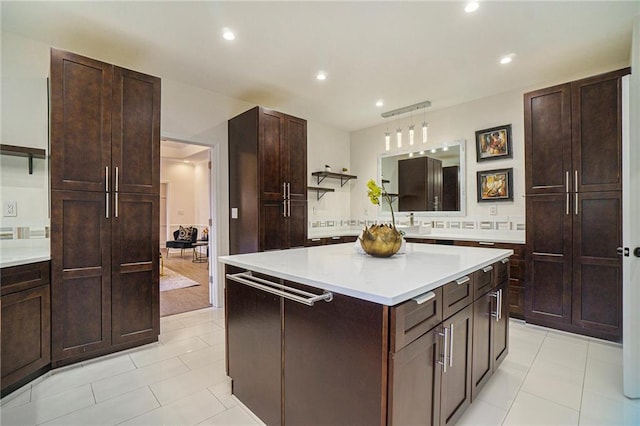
{"points": [[430, 181]]}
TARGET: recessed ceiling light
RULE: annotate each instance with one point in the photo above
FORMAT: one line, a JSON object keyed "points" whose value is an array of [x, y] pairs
{"points": [[506, 59], [379, 103], [321, 75], [472, 6], [186, 161], [227, 34]]}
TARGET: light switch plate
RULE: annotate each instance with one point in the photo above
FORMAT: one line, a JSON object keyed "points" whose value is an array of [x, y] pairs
{"points": [[493, 210], [234, 213], [10, 209]]}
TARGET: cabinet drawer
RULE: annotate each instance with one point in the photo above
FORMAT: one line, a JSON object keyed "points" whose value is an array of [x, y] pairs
{"points": [[415, 317], [501, 271], [483, 281], [456, 295], [24, 277]]}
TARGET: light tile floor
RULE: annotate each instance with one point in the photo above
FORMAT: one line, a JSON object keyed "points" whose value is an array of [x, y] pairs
{"points": [[549, 378]]}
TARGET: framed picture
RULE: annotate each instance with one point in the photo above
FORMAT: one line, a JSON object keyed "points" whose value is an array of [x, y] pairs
{"points": [[494, 143], [495, 185]]}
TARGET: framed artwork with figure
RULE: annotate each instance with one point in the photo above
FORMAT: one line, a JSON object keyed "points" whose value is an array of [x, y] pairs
{"points": [[495, 185], [494, 143]]}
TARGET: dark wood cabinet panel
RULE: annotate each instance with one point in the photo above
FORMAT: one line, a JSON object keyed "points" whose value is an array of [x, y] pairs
{"points": [[135, 136], [134, 276], [105, 163], [410, 320], [547, 128], [80, 122], [267, 181], [342, 348], [597, 267], [451, 188], [456, 381], [549, 258], [80, 273], [420, 184], [25, 336], [483, 330], [456, 295], [254, 327], [597, 132], [415, 376], [501, 330], [573, 268]]}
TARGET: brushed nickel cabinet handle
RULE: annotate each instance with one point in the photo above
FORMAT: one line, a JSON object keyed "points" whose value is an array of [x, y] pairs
{"points": [[106, 212], [487, 268], [116, 205], [463, 280], [451, 346], [116, 183], [445, 345], [106, 178], [281, 290], [424, 298]]}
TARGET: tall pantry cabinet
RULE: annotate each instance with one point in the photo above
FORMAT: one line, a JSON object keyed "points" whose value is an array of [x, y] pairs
{"points": [[267, 181], [573, 153], [105, 180]]}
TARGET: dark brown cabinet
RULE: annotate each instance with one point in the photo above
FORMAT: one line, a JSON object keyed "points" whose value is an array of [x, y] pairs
{"points": [[420, 184], [573, 158], [105, 179], [267, 181], [25, 336]]}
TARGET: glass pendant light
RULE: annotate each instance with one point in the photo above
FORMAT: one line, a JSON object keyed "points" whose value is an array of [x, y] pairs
{"points": [[387, 141], [411, 134], [399, 137]]}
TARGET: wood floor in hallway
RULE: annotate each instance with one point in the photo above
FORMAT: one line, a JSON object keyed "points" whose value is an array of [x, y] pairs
{"points": [[190, 298]]}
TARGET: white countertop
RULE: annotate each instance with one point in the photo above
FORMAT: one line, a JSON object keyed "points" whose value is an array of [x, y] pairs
{"points": [[388, 281], [23, 255], [513, 237]]}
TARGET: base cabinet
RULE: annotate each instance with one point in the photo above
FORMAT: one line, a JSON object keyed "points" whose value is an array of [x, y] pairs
{"points": [[354, 362], [25, 315]]}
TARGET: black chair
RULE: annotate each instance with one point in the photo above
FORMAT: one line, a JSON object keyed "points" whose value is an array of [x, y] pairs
{"points": [[182, 243]]}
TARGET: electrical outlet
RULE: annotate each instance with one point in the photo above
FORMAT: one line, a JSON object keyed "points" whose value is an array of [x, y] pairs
{"points": [[493, 210], [10, 209]]}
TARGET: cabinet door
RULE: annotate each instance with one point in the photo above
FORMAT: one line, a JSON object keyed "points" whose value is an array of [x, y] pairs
{"points": [[254, 353], [272, 149], [549, 236], [274, 232], [26, 334], [483, 329], [434, 185], [547, 136], [414, 382], [412, 184], [80, 273], [597, 268], [80, 122], [335, 361], [456, 381], [135, 262], [500, 333], [295, 163], [597, 132], [135, 132], [297, 224]]}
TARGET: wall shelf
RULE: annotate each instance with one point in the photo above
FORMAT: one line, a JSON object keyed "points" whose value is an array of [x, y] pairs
{"points": [[320, 191], [344, 178], [23, 151]]}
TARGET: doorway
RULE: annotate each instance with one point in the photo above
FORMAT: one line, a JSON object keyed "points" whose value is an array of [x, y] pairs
{"points": [[185, 176]]}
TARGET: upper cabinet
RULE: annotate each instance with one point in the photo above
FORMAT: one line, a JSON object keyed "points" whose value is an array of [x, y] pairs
{"points": [[105, 127], [573, 139], [267, 181]]}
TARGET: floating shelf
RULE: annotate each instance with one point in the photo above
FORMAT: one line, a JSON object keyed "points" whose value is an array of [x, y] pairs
{"points": [[23, 151], [344, 178], [320, 191]]}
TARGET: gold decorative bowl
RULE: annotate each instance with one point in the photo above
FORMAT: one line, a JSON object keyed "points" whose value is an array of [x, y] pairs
{"points": [[381, 240]]}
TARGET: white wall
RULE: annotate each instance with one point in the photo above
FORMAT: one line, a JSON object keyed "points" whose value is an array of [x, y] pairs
{"points": [[447, 125], [330, 146], [201, 195], [180, 180]]}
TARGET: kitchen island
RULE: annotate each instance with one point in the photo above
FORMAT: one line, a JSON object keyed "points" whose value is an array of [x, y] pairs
{"points": [[327, 335]]}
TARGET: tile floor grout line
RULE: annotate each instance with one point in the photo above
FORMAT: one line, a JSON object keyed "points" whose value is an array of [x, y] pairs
{"points": [[525, 377]]}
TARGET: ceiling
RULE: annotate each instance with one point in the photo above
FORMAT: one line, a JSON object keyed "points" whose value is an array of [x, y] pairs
{"points": [[401, 52]]}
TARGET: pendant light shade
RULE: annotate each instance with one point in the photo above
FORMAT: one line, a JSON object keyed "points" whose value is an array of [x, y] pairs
{"points": [[411, 134], [425, 128], [399, 137], [387, 141]]}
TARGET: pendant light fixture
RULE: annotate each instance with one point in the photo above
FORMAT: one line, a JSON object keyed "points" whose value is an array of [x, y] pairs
{"points": [[425, 128], [400, 111]]}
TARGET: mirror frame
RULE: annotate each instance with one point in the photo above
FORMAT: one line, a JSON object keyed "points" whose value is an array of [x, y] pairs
{"points": [[462, 179]]}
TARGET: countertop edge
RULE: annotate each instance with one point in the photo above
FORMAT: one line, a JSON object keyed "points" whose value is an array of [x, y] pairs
{"points": [[500, 254]]}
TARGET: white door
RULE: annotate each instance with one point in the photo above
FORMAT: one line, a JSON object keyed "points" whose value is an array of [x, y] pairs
{"points": [[631, 232]]}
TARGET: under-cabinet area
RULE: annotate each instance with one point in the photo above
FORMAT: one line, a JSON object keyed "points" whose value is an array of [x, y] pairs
{"points": [[415, 347]]}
